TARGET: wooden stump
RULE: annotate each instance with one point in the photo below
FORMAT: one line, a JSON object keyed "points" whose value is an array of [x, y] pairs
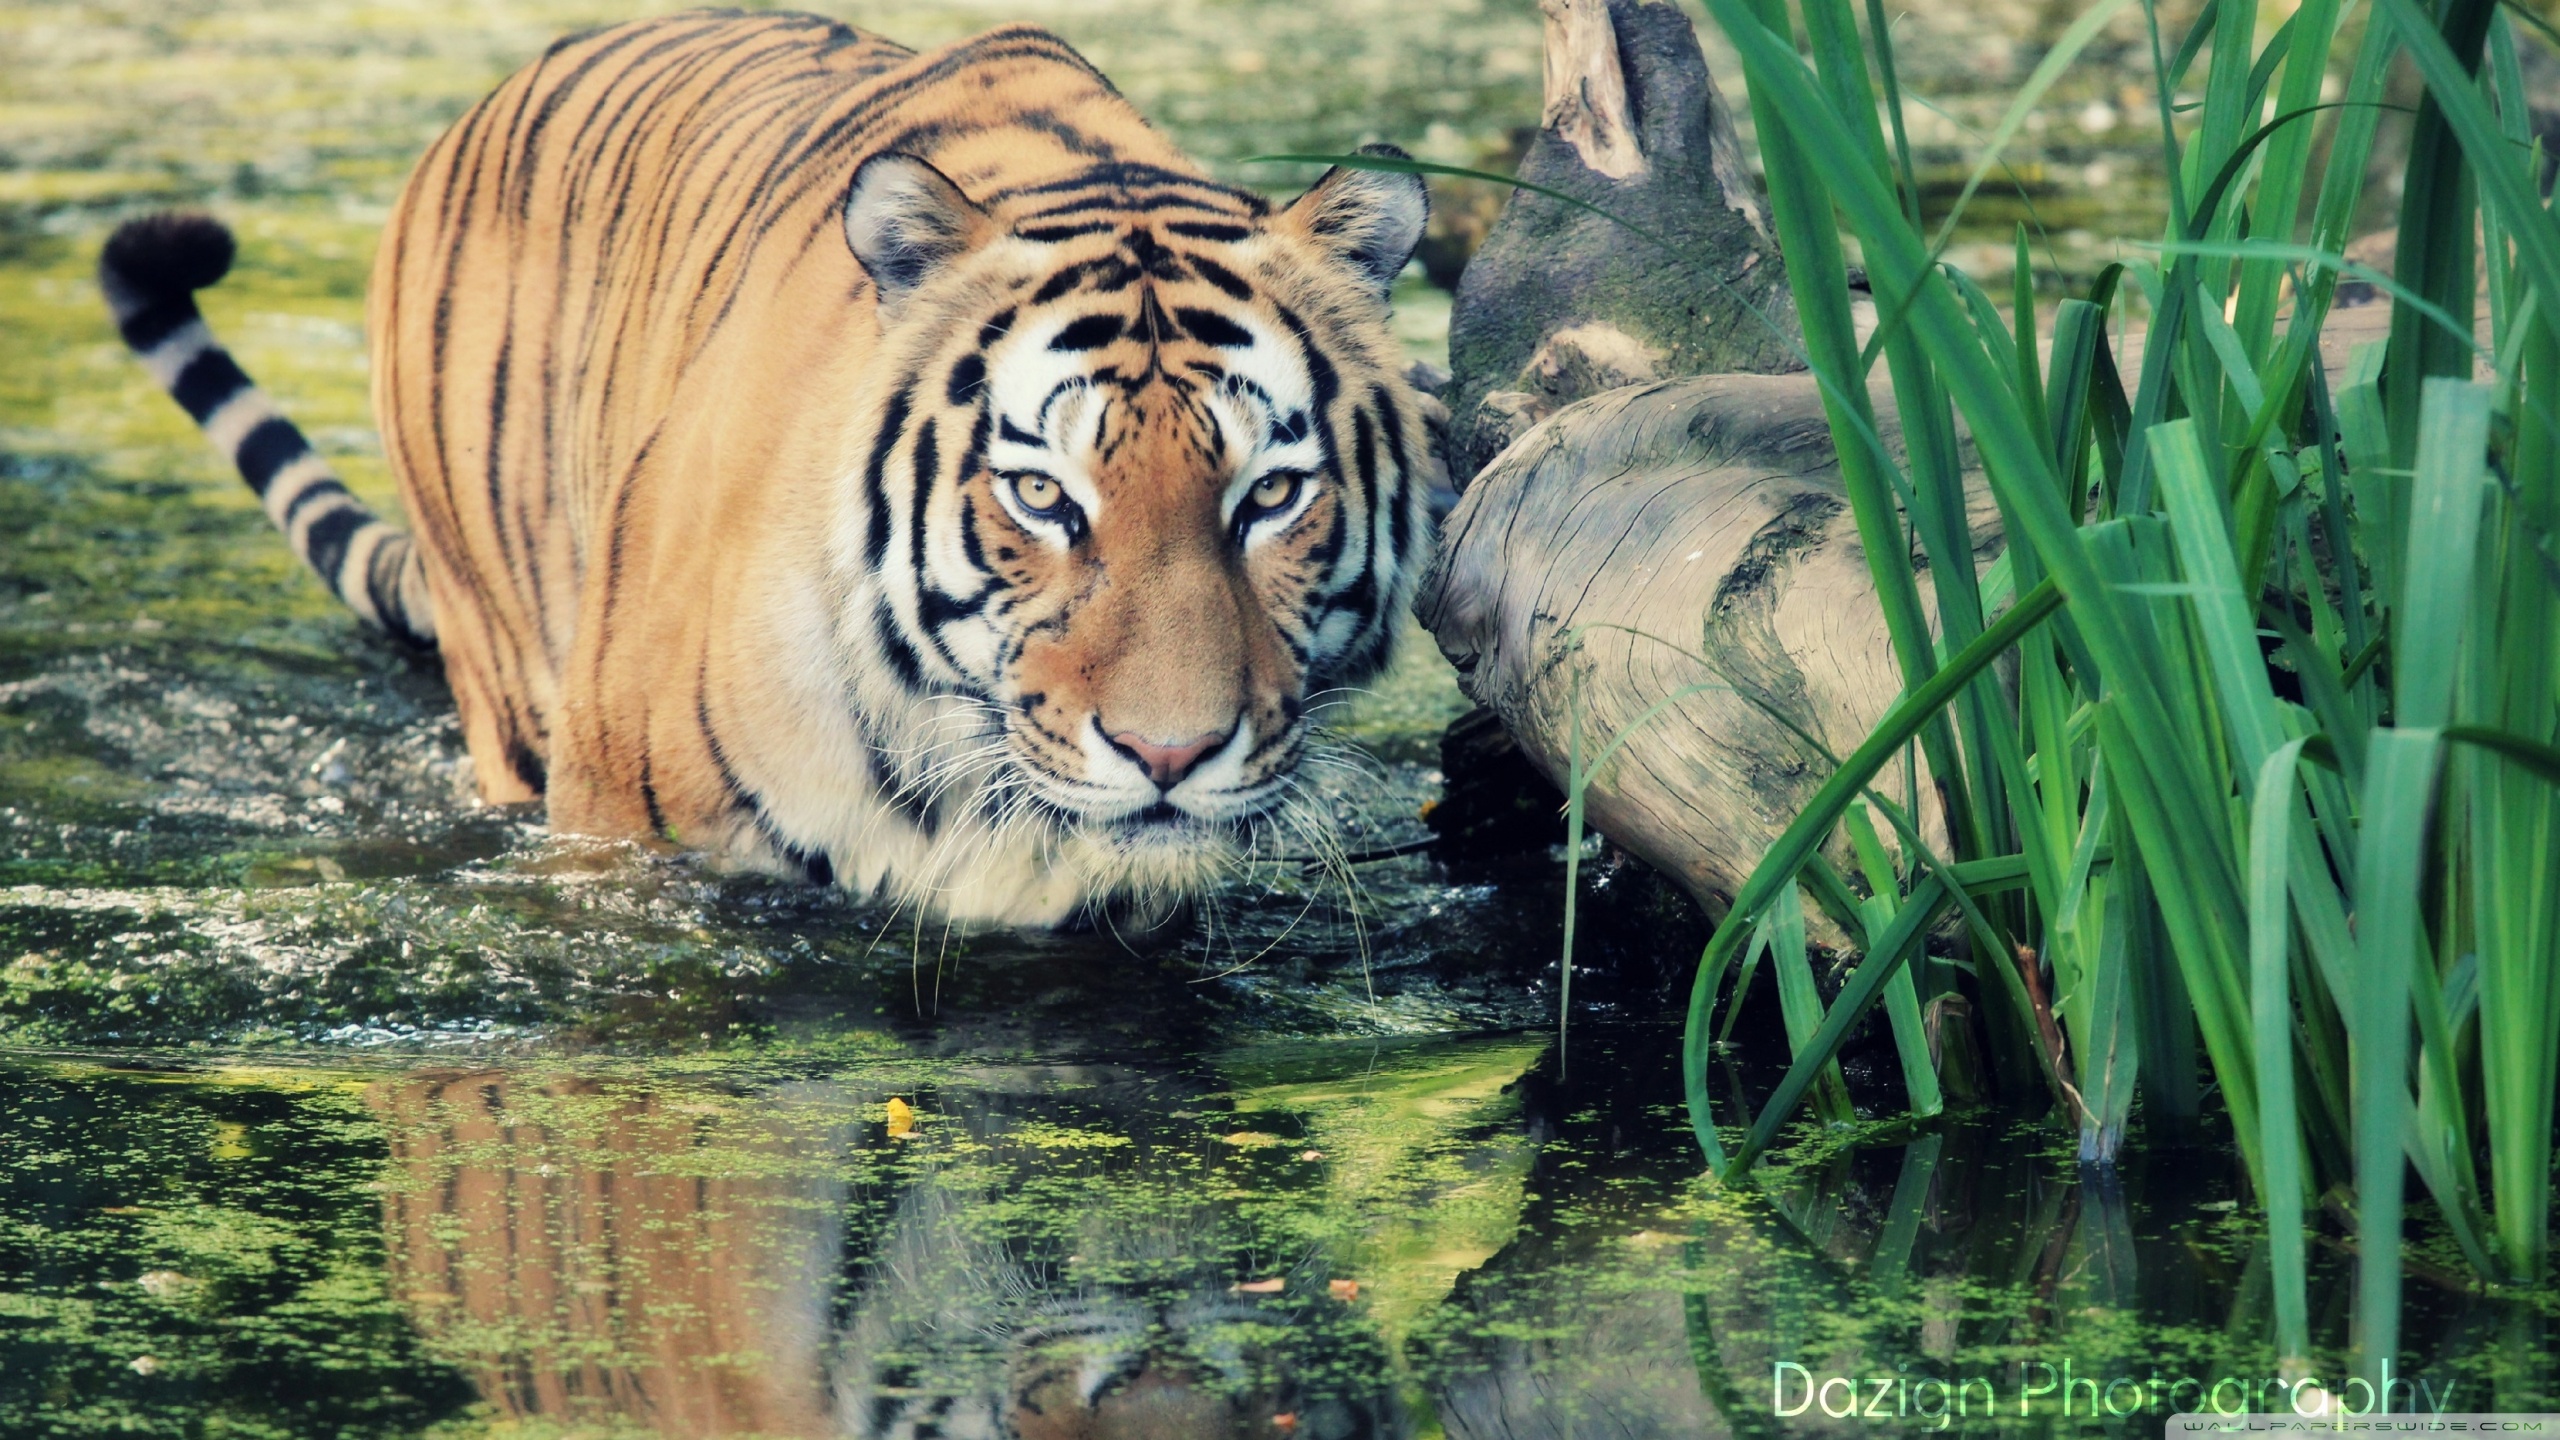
{"points": [[1561, 303]]}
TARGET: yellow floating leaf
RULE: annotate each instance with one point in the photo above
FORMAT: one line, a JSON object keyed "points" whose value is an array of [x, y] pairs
{"points": [[902, 1119], [1252, 1140], [1271, 1286], [1344, 1290]]}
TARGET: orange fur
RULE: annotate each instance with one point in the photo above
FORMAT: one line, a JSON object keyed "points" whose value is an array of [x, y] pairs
{"points": [[650, 416]]}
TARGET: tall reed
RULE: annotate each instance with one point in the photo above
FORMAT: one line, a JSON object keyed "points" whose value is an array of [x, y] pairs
{"points": [[2349, 900]]}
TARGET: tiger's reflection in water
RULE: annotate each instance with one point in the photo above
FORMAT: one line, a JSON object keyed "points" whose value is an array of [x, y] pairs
{"points": [[695, 1263]]}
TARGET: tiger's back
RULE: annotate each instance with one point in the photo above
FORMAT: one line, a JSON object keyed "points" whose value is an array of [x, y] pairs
{"points": [[983, 533]]}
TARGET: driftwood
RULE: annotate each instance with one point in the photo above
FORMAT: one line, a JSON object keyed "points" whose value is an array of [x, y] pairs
{"points": [[1691, 533], [1560, 302]]}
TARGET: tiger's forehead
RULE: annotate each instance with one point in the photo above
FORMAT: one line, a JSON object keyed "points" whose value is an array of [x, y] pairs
{"points": [[1241, 406], [1147, 329]]}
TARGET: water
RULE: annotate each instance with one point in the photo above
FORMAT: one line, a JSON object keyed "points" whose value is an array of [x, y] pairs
{"points": [[333, 1104], [863, 1225]]}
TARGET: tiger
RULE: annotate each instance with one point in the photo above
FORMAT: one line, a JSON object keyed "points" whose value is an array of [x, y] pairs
{"points": [[906, 471]]}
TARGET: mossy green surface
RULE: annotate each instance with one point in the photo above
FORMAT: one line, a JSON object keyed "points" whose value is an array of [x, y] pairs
{"points": [[1445, 1235]]}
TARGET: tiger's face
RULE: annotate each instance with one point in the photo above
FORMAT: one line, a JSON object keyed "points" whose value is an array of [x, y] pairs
{"points": [[1146, 486]]}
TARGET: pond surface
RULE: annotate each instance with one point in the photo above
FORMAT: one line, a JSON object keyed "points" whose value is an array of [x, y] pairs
{"points": [[333, 1104], [935, 1229]]}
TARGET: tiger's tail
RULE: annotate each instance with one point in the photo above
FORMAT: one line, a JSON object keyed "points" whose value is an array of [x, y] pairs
{"points": [[150, 271]]}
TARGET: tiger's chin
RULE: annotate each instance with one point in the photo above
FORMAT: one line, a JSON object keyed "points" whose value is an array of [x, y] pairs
{"points": [[1050, 867], [1158, 859]]}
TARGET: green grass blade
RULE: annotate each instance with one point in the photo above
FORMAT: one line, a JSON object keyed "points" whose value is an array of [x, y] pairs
{"points": [[1799, 1002], [1901, 996], [2342, 181], [2079, 337], [2271, 1028], [1881, 30], [2022, 321], [2399, 790], [2534, 757], [2444, 532], [2436, 255], [2205, 551], [1891, 1264], [1929, 899], [2105, 1035], [2279, 199], [2192, 46]]}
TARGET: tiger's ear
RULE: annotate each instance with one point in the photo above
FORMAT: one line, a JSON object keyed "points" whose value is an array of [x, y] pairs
{"points": [[1370, 220], [905, 220]]}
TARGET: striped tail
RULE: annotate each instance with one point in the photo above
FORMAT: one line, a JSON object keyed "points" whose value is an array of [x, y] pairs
{"points": [[150, 271]]}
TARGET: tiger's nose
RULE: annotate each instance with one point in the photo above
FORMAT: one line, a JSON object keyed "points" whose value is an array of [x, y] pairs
{"points": [[1166, 764]]}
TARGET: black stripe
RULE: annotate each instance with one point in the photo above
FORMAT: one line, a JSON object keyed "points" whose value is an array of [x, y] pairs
{"points": [[814, 864], [1129, 173], [145, 328], [901, 655], [649, 799], [324, 545], [1220, 276], [382, 583], [1090, 333], [1364, 459], [267, 449], [495, 443], [1075, 141], [1400, 519], [1327, 384], [928, 467], [1203, 230], [1051, 234], [1211, 328], [315, 493], [891, 787], [811, 863], [526, 764], [1058, 284], [209, 380], [1106, 200], [875, 487], [968, 378], [936, 608], [970, 545]]}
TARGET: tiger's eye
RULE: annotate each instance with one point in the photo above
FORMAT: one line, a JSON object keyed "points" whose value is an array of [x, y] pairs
{"points": [[1038, 493], [1275, 490]]}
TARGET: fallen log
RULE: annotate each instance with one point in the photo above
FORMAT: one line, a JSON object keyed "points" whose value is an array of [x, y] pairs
{"points": [[1688, 545], [1684, 545]]}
